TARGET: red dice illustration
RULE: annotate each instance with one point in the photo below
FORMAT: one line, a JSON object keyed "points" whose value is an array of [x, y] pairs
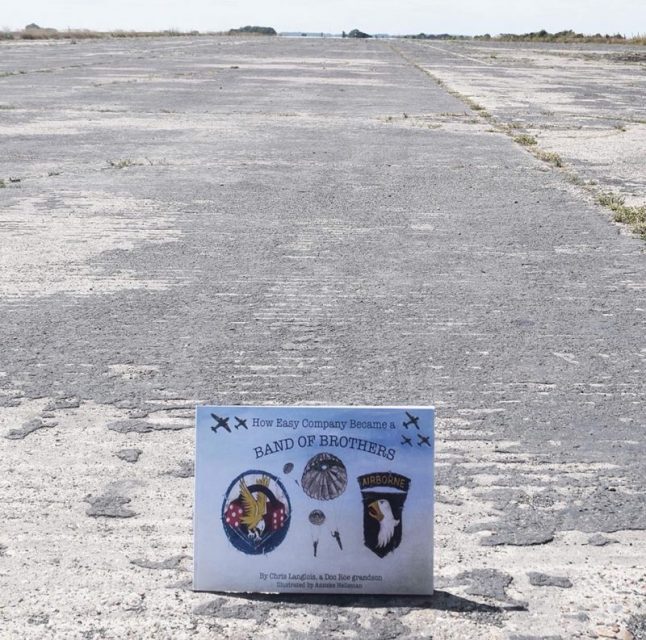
{"points": [[275, 516]]}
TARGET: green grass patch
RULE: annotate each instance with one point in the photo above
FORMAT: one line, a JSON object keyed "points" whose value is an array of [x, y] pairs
{"points": [[526, 140], [474, 105], [635, 217], [550, 157], [122, 164]]}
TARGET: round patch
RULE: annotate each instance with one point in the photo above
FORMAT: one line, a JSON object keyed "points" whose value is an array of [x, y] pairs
{"points": [[256, 512]]}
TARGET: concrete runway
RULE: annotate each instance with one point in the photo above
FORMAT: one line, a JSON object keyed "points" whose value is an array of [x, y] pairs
{"points": [[256, 220]]}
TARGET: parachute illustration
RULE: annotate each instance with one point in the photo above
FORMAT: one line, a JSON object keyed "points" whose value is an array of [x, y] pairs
{"points": [[317, 517], [325, 477]]}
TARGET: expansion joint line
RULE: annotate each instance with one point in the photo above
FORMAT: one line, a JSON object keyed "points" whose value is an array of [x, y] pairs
{"points": [[621, 213], [474, 106]]}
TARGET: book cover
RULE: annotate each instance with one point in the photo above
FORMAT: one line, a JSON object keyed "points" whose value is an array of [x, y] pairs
{"points": [[314, 499]]}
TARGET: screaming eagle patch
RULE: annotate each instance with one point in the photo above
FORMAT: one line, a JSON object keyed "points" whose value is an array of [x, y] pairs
{"points": [[256, 512], [383, 495]]}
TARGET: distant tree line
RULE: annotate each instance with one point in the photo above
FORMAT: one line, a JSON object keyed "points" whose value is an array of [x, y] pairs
{"points": [[34, 32], [537, 36], [560, 36], [437, 36], [355, 33], [262, 31]]}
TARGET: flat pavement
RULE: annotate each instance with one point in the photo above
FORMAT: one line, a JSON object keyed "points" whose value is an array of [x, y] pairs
{"points": [[257, 220]]}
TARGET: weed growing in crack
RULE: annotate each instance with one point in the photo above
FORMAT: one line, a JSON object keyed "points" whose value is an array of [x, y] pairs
{"points": [[635, 217], [550, 157], [575, 179], [611, 200], [122, 164], [474, 105], [526, 140]]}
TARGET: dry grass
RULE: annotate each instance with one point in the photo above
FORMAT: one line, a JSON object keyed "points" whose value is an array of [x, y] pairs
{"points": [[526, 140], [567, 36], [87, 34], [550, 157], [123, 163], [635, 217]]}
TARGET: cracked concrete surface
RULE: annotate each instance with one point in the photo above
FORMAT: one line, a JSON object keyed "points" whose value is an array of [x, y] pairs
{"points": [[583, 102], [253, 220]]}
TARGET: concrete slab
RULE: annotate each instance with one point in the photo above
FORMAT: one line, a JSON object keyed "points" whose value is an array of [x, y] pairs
{"points": [[583, 102], [251, 220]]}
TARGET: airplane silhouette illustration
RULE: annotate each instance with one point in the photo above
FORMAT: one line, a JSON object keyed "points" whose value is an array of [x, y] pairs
{"points": [[407, 441], [240, 422], [423, 440], [412, 420], [222, 423]]}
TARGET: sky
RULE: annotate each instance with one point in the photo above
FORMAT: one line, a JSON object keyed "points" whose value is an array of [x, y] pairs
{"points": [[468, 17]]}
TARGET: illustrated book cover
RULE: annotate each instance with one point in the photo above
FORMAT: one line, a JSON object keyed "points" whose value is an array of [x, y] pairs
{"points": [[314, 499]]}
